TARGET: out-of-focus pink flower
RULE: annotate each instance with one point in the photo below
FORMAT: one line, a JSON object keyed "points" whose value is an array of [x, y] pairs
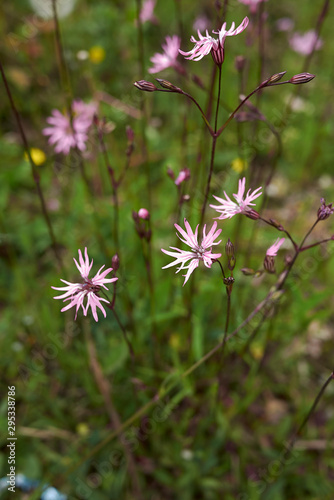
{"points": [[168, 58], [76, 293], [272, 251], [184, 175], [229, 208], [201, 23], [284, 24], [143, 213], [207, 44], [305, 43], [146, 13], [198, 252], [63, 135], [252, 4]]}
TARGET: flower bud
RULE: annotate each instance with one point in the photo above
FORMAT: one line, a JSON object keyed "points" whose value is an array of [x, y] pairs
{"points": [[229, 248], [170, 173], [165, 84], [324, 210], [143, 213], [252, 214], [269, 264], [301, 78], [145, 85], [247, 271], [276, 77], [115, 262]]}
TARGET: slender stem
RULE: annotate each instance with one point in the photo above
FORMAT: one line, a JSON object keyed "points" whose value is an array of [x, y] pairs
{"points": [[125, 335], [282, 230], [218, 97], [261, 44], [313, 407], [316, 244], [114, 185], [207, 189], [222, 128], [34, 170], [63, 71]]}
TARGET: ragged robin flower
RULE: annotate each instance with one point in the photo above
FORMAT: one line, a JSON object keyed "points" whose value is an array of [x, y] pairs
{"points": [[242, 205], [198, 251], [89, 288], [207, 44]]}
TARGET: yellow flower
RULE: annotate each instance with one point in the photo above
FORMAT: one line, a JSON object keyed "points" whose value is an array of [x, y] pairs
{"points": [[239, 165], [82, 429], [37, 155], [97, 54], [174, 341]]}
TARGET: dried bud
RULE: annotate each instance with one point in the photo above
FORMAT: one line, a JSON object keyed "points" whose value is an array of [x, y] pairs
{"points": [[247, 271], [301, 78], [269, 264], [165, 84], [275, 78], [252, 214], [146, 86], [229, 248], [115, 262], [325, 211], [239, 63], [143, 213], [135, 216]]}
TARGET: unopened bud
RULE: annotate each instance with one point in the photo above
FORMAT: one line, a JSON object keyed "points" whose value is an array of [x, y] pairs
{"points": [[276, 224], [247, 271], [301, 78], [130, 133], [239, 63], [324, 210], [229, 248], [143, 213], [145, 85], [252, 214], [115, 262], [165, 84], [269, 264], [276, 77], [170, 173]]}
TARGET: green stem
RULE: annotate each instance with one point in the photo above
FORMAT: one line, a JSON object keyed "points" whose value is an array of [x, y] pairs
{"points": [[34, 170]]}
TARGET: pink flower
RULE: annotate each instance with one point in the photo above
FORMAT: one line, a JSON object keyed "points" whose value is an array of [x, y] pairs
{"points": [[65, 136], [146, 13], [143, 213], [252, 4], [229, 208], [89, 288], [168, 58], [198, 251], [207, 44], [272, 251], [184, 175], [305, 43]]}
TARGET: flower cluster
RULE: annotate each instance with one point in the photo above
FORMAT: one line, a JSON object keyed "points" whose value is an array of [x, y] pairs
{"points": [[76, 293], [68, 132]]}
